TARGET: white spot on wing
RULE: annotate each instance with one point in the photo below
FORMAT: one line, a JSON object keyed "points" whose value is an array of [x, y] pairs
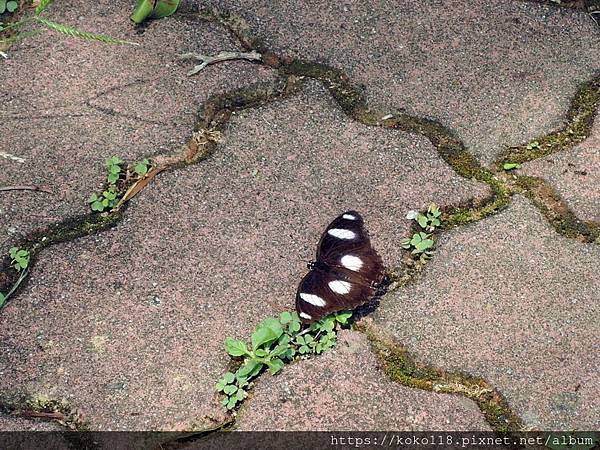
{"points": [[349, 217], [339, 287], [352, 262], [305, 316], [312, 299], [340, 233]]}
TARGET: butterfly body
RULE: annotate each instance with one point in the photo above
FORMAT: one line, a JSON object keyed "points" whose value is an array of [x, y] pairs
{"points": [[347, 271]]}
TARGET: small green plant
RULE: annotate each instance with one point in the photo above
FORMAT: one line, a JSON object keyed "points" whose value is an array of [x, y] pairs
{"points": [[153, 9], [19, 258], [421, 245], [108, 199], [48, 24], [113, 166], [142, 167], [511, 166], [275, 342], [533, 145]]}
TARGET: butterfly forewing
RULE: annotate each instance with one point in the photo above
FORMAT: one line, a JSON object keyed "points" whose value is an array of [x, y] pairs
{"points": [[346, 272]]}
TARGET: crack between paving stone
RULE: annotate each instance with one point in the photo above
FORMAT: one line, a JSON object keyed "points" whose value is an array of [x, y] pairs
{"points": [[215, 113]]}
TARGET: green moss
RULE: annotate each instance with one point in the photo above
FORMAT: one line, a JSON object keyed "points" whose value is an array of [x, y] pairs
{"points": [[559, 215], [401, 367], [579, 121]]}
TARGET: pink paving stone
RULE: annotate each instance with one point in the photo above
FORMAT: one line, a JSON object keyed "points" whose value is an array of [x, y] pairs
{"points": [[346, 389], [68, 104], [575, 174], [128, 325], [510, 300], [497, 72]]}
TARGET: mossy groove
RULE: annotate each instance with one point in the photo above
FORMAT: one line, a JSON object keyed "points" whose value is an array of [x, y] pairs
{"points": [[578, 126], [212, 117], [401, 367]]}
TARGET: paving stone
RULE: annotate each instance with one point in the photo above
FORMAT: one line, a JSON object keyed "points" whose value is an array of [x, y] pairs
{"points": [[497, 72], [128, 325], [345, 389], [68, 104], [575, 174], [510, 300]]}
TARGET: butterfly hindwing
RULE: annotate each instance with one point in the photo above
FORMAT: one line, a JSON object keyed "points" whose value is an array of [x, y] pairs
{"points": [[346, 272], [322, 292]]}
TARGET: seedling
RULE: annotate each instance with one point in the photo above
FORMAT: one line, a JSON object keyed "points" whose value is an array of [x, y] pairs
{"points": [[276, 342], [421, 245], [19, 258], [114, 169], [533, 145], [141, 168], [8, 6], [2, 299]]}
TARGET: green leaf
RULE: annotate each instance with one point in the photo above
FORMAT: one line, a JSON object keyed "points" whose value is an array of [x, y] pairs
{"points": [[275, 365], [97, 206], [511, 166], [74, 32], [304, 349], [115, 169], [261, 352], [142, 10], [285, 317], [230, 389], [141, 169], [231, 403], [279, 350], [343, 316], [235, 348], [250, 369], [424, 245], [42, 6], [266, 332], [11, 6], [308, 339], [300, 340], [422, 220], [2, 299], [113, 177], [13, 252], [228, 378], [92, 198], [240, 395]]}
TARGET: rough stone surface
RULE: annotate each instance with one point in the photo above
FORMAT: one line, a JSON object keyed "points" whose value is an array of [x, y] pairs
{"points": [[497, 72], [510, 300], [68, 104], [128, 325], [339, 391], [12, 423], [575, 174]]}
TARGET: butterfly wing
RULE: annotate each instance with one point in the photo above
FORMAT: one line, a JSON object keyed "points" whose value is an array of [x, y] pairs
{"points": [[346, 244], [346, 273], [322, 292]]}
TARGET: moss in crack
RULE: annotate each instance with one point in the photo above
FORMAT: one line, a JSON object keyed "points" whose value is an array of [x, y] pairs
{"points": [[399, 366], [67, 230], [499, 200], [579, 121], [556, 211]]}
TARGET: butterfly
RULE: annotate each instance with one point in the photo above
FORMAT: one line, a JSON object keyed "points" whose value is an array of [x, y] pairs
{"points": [[347, 272]]}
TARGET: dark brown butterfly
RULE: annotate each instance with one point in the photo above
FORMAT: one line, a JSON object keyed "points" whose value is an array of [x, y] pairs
{"points": [[347, 273]]}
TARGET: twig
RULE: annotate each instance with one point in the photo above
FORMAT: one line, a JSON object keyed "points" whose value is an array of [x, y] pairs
{"points": [[222, 56], [26, 188], [13, 157]]}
